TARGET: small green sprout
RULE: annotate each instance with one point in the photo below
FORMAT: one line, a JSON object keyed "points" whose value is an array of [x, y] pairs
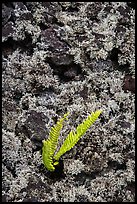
{"points": [[50, 159]]}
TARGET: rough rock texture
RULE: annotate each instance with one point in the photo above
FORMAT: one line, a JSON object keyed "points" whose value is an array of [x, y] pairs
{"points": [[76, 57]]}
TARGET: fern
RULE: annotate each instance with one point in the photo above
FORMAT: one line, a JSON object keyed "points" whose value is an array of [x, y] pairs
{"points": [[49, 145], [73, 136]]}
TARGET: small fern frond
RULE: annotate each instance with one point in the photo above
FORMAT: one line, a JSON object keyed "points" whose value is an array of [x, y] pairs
{"points": [[49, 145], [47, 155], [73, 136]]}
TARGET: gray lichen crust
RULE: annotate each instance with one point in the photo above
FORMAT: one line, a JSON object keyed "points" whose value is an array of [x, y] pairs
{"points": [[76, 57]]}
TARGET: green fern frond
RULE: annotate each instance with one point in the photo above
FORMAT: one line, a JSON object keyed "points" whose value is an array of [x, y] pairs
{"points": [[49, 145], [73, 136], [47, 155]]}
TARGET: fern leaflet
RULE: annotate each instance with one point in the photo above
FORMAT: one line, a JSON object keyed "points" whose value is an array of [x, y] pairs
{"points": [[49, 145]]}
